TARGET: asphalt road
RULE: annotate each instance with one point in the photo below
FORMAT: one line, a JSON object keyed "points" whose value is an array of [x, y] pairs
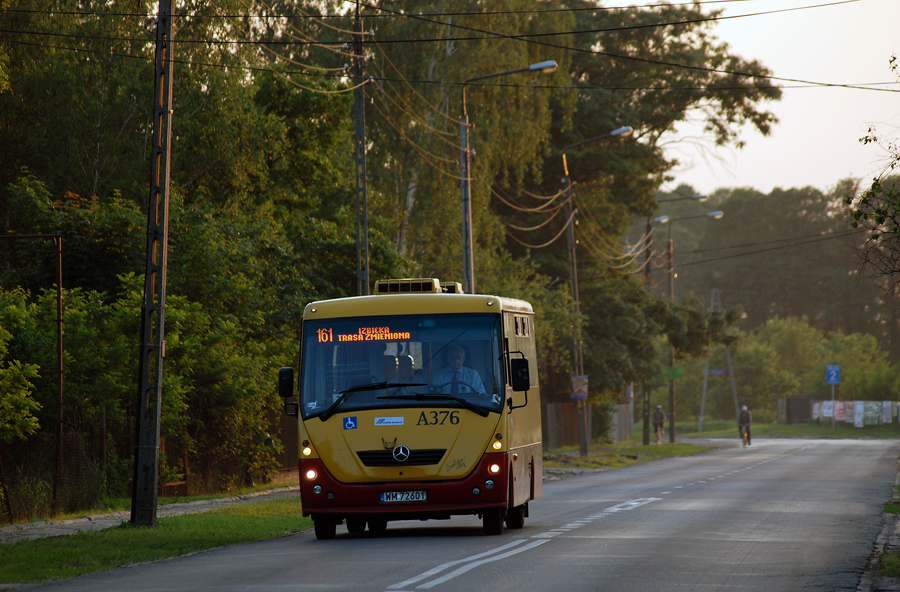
{"points": [[786, 515]]}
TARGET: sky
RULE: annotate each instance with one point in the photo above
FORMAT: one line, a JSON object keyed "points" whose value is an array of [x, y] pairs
{"points": [[816, 142]]}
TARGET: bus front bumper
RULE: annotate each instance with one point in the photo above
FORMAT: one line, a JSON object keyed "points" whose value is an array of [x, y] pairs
{"points": [[480, 490]]}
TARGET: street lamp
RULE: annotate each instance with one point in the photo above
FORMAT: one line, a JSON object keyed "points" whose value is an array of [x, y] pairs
{"points": [[671, 265], [468, 258], [573, 276], [700, 198]]}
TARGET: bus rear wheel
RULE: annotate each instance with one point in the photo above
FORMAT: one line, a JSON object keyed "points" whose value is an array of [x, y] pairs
{"points": [[492, 520], [356, 525], [377, 525], [515, 517], [325, 527]]}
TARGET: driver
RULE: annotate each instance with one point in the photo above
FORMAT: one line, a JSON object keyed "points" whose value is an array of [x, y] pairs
{"points": [[456, 378]]}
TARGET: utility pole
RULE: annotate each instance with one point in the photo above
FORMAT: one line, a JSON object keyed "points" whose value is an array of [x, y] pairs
{"points": [[715, 305], [583, 435], [645, 403], [362, 216], [671, 265], [466, 191], [153, 345], [584, 432]]}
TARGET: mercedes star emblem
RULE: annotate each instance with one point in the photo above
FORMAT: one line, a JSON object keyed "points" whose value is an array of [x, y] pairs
{"points": [[401, 453]]}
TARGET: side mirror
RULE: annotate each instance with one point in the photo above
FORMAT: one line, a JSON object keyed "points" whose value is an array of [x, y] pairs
{"points": [[286, 383], [521, 379]]}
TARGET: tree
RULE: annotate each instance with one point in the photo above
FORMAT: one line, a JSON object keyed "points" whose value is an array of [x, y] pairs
{"points": [[4, 58], [877, 211], [17, 406], [784, 357], [785, 253], [646, 77]]}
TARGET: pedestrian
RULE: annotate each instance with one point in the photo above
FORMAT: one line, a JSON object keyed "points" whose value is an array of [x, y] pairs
{"points": [[744, 422]]}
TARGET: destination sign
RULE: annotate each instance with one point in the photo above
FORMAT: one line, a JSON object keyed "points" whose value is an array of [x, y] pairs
{"points": [[327, 335]]}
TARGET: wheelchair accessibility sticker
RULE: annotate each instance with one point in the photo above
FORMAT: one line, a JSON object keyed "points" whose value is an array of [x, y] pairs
{"points": [[350, 423]]}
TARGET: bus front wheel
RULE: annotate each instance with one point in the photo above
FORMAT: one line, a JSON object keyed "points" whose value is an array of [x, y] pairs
{"points": [[492, 519], [325, 527], [515, 517]]}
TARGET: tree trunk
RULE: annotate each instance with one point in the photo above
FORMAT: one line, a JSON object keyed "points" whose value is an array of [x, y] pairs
{"points": [[5, 490]]}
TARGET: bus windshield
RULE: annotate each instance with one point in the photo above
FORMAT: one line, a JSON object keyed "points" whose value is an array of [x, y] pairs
{"points": [[401, 361]]}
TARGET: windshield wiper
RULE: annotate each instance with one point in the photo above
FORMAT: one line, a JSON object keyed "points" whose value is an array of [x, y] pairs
{"points": [[425, 396], [362, 387]]}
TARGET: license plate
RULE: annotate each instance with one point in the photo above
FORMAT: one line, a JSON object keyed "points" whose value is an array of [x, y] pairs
{"points": [[403, 496]]}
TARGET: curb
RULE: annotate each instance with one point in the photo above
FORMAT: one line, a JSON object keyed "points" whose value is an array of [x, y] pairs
{"points": [[93, 522], [888, 541]]}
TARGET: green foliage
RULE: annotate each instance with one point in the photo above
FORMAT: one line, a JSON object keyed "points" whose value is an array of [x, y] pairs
{"points": [[784, 357], [4, 58], [878, 208], [17, 407], [101, 240], [262, 217]]}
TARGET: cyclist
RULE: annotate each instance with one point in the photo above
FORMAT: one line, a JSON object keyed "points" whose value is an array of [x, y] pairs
{"points": [[659, 420], [744, 422]]}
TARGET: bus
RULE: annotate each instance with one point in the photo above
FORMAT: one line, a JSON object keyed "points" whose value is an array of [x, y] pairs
{"points": [[418, 402]]}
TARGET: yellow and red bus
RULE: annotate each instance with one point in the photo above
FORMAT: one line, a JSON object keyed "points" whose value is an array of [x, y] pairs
{"points": [[416, 403]]}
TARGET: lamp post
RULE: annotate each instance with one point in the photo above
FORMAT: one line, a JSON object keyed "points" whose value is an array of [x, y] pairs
{"points": [[671, 269], [465, 177], [583, 435], [645, 407]]}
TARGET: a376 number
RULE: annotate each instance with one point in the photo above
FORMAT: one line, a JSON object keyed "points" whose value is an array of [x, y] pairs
{"points": [[438, 417]]}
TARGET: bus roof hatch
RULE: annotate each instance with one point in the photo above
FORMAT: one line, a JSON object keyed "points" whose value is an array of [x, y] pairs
{"points": [[409, 286]]}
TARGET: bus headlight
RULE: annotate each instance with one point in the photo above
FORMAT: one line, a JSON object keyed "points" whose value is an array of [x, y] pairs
{"points": [[311, 474], [494, 469], [307, 451]]}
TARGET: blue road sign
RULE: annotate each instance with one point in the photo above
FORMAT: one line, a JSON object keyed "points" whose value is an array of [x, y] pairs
{"points": [[832, 374]]}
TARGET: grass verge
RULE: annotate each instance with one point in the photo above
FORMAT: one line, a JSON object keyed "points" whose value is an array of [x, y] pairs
{"points": [[889, 566], [616, 455], [63, 557], [728, 429], [108, 505]]}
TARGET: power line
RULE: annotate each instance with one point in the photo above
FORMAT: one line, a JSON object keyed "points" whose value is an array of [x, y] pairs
{"points": [[399, 14], [633, 58], [806, 84], [528, 37], [493, 35], [816, 240], [524, 36], [780, 240]]}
